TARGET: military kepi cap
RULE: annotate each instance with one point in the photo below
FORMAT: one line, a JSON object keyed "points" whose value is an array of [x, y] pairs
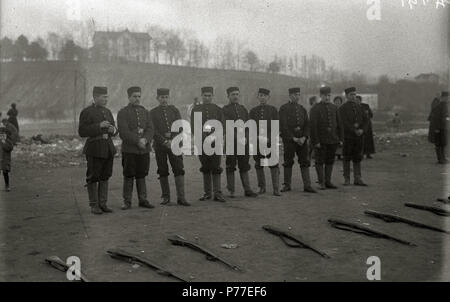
{"points": [[264, 91], [325, 90], [99, 90], [132, 90], [207, 90], [162, 91], [294, 90], [232, 89], [444, 94], [350, 90]]}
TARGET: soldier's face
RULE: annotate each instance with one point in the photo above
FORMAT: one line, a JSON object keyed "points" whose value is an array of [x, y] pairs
{"points": [[207, 97], [263, 98], [163, 99], [101, 100], [135, 98], [351, 96], [234, 97], [325, 97], [295, 97]]}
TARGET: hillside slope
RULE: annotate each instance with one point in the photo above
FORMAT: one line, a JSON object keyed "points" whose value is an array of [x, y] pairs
{"points": [[47, 89]]}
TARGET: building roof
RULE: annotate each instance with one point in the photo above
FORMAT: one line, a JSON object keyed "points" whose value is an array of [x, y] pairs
{"points": [[116, 34]]}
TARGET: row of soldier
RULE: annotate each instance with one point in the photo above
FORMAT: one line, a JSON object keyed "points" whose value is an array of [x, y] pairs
{"points": [[326, 128]]}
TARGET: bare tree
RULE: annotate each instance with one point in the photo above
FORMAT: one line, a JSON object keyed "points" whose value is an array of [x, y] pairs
{"points": [[251, 59]]}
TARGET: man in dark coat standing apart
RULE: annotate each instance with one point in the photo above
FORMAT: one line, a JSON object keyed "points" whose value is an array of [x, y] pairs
{"points": [[163, 116], [438, 124], [369, 144], [327, 134], [97, 125], [294, 128], [136, 131], [355, 123]]}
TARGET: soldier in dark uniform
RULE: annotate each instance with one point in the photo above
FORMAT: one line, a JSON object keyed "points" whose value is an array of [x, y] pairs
{"points": [[268, 113], [163, 116], [434, 103], [438, 125], [136, 131], [234, 112], [97, 124], [294, 128], [210, 164], [355, 123], [369, 144], [326, 134], [8, 138]]}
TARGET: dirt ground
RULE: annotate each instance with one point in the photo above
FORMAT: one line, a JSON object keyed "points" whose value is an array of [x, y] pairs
{"points": [[47, 214]]}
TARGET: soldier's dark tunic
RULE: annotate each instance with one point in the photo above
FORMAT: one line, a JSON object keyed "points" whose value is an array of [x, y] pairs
{"points": [[369, 144], [209, 163], [266, 113], [294, 122], [353, 118], [438, 121], [99, 148], [235, 112], [326, 129], [8, 137], [134, 122], [163, 118]]}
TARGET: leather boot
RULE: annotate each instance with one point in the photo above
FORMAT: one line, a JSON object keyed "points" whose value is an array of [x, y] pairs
{"points": [[165, 190], [230, 183], [179, 184], [287, 179], [328, 173], [207, 186], [246, 184], [320, 176], [307, 181], [443, 158], [103, 196], [141, 189], [127, 192], [275, 175], [217, 188], [438, 154], [357, 174], [261, 180], [346, 166], [93, 198]]}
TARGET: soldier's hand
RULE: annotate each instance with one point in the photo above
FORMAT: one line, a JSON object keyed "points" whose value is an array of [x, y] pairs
{"points": [[341, 144], [317, 146], [143, 141], [111, 129], [302, 140], [105, 124]]}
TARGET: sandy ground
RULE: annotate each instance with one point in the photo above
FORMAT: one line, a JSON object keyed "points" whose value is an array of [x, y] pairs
{"points": [[47, 214]]}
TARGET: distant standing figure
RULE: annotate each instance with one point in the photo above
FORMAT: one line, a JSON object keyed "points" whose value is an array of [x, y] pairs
{"points": [[12, 116], [396, 122], [438, 122], [8, 137], [434, 103], [369, 144]]}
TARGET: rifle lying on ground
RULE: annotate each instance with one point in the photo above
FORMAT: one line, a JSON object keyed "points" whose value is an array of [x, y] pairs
{"points": [[60, 265], [393, 218], [434, 210], [178, 240], [297, 240], [351, 227], [132, 258]]}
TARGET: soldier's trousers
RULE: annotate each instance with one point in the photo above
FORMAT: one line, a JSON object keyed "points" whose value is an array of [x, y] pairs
{"points": [[291, 149], [98, 169], [242, 161], [163, 155], [135, 165], [325, 154], [211, 164], [353, 149]]}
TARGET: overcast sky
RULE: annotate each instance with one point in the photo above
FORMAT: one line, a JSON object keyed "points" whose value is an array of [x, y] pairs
{"points": [[405, 41]]}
